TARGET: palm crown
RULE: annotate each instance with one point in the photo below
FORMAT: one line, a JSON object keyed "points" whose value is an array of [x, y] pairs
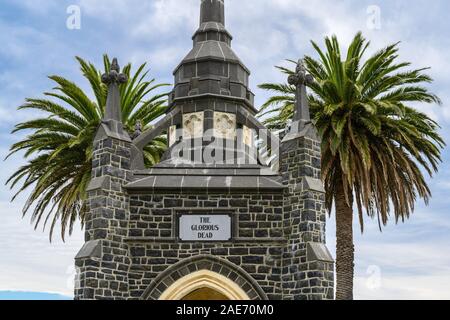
{"points": [[372, 138], [374, 144], [59, 148]]}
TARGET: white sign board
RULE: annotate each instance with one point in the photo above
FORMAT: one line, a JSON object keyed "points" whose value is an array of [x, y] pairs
{"points": [[205, 228]]}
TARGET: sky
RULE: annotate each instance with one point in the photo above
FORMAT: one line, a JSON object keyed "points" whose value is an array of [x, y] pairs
{"points": [[39, 38]]}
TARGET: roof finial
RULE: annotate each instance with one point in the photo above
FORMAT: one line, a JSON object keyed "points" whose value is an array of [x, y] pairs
{"points": [[113, 79], [212, 11], [301, 112], [115, 65]]}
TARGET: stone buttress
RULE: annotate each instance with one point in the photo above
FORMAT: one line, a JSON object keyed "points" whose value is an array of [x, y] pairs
{"points": [[103, 261], [308, 269]]}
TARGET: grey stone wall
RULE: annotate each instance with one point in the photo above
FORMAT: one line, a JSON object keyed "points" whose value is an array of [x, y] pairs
{"points": [[308, 271], [277, 251], [103, 263], [256, 248]]}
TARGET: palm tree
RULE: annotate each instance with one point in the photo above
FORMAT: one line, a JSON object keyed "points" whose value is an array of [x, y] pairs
{"points": [[374, 143], [59, 148]]}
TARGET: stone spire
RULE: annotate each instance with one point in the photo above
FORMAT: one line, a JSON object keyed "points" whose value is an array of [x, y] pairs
{"points": [[212, 69], [212, 23], [302, 115], [112, 125], [113, 79], [212, 11]]}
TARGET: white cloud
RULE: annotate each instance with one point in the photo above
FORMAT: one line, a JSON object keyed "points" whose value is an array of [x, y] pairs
{"points": [[167, 17], [400, 287], [412, 258], [161, 60], [29, 262], [408, 270], [106, 9]]}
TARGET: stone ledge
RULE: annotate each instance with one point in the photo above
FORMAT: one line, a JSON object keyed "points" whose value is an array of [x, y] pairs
{"points": [[101, 183], [207, 183], [309, 131], [112, 129], [91, 249], [311, 184], [318, 252]]}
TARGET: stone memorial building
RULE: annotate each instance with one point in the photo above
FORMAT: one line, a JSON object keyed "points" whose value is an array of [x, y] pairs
{"points": [[230, 213]]}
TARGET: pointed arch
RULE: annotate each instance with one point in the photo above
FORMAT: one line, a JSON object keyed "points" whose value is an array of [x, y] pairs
{"points": [[211, 272], [204, 279]]}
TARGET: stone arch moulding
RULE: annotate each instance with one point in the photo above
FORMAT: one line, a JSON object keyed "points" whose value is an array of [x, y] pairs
{"points": [[204, 271], [204, 279]]}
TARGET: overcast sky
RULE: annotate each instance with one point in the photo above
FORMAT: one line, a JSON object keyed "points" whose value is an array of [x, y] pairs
{"points": [[408, 261]]}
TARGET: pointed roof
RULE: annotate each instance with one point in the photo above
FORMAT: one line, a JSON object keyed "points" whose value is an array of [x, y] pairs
{"points": [[113, 79], [300, 80], [212, 68], [301, 122], [112, 125], [212, 20]]}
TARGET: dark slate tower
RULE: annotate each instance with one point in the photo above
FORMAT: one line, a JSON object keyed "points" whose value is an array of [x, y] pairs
{"points": [[230, 212]]}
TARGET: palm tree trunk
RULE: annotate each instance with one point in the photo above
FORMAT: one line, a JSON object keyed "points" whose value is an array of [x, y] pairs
{"points": [[345, 249]]}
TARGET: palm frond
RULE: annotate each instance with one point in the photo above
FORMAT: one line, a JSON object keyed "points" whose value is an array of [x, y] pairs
{"points": [[372, 140], [59, 147]]}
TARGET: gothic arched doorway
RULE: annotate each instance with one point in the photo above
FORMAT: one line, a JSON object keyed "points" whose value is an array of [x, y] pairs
{"points": [[204, 285], [195, 277]]}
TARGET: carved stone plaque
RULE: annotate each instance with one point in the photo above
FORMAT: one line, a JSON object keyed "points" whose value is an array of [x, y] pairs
{"points": [[225, 125], [193, 125]]}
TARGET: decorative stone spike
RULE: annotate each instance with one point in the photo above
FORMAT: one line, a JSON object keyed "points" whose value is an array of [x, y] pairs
{"points": [[112, 125], [301, 113], [113, 79]]}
